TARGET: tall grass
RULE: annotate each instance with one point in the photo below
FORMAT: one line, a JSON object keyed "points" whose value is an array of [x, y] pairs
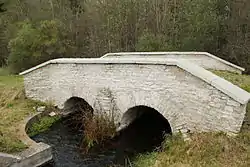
{"points": [[97, 130]]}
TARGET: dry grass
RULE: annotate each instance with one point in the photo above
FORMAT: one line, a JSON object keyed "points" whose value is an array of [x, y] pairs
{"points": [[204, 149], [14, 107], [97, 130]]}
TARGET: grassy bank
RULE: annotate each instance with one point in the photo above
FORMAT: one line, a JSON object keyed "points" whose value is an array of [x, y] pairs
{"points": [[14, 108], [205, 149]]}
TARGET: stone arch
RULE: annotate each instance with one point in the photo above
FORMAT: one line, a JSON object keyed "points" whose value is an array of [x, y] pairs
{"points": [[142, 129], [139, 112], [77, 104], [77, 110]]}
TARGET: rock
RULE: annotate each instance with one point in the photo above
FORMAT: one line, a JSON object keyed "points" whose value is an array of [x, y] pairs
{"points": [[52, 114], [41, 109]]}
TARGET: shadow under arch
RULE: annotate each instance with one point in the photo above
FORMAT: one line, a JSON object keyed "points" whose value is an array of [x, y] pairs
{"points": [[143, 112], [76, 104], [142, 129], [76, 109]]}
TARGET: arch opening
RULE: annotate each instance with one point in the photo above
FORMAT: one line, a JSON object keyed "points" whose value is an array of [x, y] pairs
{"points": [[77, 110], [142, 129], [76, 104]]}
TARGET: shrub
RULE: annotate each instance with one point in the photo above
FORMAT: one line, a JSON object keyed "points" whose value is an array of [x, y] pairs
{"points": [[36, 43], [150, 42], [97, 130]]}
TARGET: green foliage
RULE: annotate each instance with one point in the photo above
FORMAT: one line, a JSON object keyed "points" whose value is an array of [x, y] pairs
{"points": [[199, 25], [36, 43], [150, 42], [93, 28], [1, 8], [43, 125], [146, 160]]}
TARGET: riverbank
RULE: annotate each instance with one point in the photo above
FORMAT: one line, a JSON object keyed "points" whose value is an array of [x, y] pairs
{"points": [[14, 109], [204, 149]]}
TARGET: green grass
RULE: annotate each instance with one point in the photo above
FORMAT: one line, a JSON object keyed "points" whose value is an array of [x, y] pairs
{"points": [[205, 149], [42, 125], [242, 81], [4, 71], [14, 108]]}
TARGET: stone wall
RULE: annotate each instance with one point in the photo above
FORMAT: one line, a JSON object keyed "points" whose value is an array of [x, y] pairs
{"points": [[203, 59], [185, 100]]}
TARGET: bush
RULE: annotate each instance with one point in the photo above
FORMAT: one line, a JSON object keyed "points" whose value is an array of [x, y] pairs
{"points": [[97, 130], [150, 42], [36, 43]]}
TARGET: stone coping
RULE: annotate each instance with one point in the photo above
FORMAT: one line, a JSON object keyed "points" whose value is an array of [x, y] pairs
{"points": [[173, 53], [221, 84], [36, 155]]}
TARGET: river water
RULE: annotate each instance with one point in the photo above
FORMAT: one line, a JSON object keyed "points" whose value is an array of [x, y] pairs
{"points": [[142, 135], [66, 153]]}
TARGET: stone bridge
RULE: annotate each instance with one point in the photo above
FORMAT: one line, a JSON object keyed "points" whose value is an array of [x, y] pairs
{"points": [[183, 91]]}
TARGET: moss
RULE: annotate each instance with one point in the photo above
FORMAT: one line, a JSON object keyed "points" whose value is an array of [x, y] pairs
{"points": [[42, 125]]}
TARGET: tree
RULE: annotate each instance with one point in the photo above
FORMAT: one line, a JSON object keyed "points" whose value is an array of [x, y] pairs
{"points": [[36, 43], [1, 8]]}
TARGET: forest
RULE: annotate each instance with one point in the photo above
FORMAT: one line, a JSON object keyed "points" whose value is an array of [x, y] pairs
{"points": [[34, 31]]}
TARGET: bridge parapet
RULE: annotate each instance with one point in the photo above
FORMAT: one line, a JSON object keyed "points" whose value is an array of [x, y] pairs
{"points": [[203, 59]]}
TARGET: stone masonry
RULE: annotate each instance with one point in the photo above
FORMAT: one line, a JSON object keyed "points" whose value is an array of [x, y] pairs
{"points": [[188, 96], [203, 59]]}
